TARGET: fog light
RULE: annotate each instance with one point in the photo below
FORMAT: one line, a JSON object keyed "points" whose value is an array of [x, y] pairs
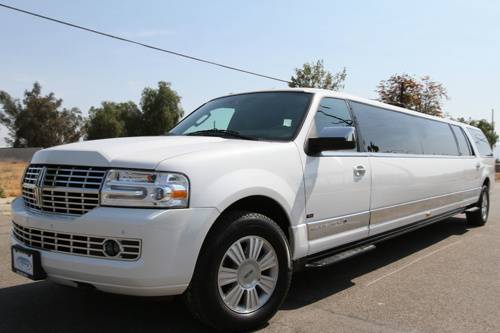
{"points": [[111, 248]]}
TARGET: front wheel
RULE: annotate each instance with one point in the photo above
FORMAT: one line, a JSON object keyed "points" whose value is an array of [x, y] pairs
{"points": [[243, 273], [479, 217]]}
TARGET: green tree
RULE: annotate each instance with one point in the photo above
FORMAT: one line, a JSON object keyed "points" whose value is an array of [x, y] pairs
{"points": [[112, 120], [314, 75], [39, 121], [160, 112], [422, 95], [160, 109], [485, 126]]}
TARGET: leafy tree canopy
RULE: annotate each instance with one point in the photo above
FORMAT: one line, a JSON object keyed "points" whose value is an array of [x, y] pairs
{"points": [[112, 120], [160, 109], [38, 120], [422, 95], [160, 112], [314, 75]]}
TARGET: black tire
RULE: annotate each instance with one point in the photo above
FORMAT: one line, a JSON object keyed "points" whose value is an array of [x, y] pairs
{"points": [[203, 297], [479, 217]]}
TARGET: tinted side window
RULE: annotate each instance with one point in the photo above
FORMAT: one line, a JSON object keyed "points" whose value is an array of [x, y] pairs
{"points": [[387, 131], [481, 142], [331, 112], [463, 142], [437, 138]]}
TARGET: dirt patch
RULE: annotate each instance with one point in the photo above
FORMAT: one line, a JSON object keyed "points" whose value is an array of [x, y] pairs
{"points": [[11, 173]]}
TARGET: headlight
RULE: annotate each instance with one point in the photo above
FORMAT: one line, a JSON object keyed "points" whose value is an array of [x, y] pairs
{"points": [[145, 189]]}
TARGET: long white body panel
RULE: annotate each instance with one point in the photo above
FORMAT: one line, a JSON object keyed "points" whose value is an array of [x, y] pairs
{"points": [[326, 205]]}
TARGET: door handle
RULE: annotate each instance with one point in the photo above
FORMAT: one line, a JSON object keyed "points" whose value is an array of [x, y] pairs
{"points": [[359, 171], [478, 166]]}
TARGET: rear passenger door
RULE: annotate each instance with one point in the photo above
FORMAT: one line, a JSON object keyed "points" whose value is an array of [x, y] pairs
{"points": [[337, 185], [416, 168], [471, 166]]}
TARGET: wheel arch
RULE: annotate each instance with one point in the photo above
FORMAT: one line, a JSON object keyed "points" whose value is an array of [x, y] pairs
{"points": [[487, 182], [266, 206]]}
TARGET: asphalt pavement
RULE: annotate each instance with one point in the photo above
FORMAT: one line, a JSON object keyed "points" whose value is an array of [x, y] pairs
{"points": [[442, 278]]}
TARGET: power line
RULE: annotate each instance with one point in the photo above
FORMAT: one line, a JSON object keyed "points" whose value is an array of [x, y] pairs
{"points": [[142, 44]]}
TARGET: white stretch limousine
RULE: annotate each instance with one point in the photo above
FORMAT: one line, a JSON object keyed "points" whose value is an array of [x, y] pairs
{"points": [[242, 192]]}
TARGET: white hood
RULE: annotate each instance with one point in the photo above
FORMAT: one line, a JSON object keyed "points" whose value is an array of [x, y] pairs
{"points": [[133, 152]]}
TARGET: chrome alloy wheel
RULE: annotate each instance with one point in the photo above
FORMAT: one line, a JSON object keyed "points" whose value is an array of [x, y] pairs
{"points": [[248, 274], [484, 207]]}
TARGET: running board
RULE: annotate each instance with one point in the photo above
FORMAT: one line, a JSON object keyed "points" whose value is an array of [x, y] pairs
{"points": [[344, 251], [340, 256]]}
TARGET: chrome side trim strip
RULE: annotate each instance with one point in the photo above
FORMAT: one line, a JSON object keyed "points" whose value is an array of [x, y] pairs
{"points": [[324, 228], [391, 155], [343, 154], [341, 224], [381, 215], [399, 155]]}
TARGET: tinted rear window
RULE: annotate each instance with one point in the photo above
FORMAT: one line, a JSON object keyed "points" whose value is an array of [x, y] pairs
{"points": [[436, 137], [481, 142], [463, 143], [386, 131]]}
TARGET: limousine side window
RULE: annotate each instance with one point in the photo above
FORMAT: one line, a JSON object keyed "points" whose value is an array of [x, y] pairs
{"points": [[481, 142], [436, 137], [463, 143], [385, 131], [332, 112]]}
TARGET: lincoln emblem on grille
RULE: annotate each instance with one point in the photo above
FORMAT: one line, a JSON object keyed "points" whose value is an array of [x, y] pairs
{"points": [[37, 190]]}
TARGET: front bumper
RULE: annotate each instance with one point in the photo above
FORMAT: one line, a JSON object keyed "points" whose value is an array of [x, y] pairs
{"points": [[171, 241]]}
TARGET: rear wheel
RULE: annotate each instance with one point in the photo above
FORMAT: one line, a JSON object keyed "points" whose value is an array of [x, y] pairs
{"points": [[243, 273], [479, 217]]}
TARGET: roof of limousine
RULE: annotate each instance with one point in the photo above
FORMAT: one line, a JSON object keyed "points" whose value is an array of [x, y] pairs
{"points": [[336, 94]]}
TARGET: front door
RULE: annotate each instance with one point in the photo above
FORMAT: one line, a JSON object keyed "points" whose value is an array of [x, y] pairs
{"points": [[337, 185]]}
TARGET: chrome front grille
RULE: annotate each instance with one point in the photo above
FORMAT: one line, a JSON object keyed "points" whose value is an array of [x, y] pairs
{"points": [[72, 190], [84, 245]]}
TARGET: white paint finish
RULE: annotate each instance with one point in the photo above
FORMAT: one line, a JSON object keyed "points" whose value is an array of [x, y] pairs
{"points": [[335, 240], [387, 225], [134, 152], [398, 180], [471, 174], [332, 189], [222, 171], [300, 242], [222, 174], [166, 264]]}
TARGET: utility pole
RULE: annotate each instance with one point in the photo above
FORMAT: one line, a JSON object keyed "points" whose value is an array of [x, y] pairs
{"points": [[493, 123], [493, 119]]}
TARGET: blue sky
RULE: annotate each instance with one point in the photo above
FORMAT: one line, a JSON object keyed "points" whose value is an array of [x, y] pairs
{"points": [[455, 42]]}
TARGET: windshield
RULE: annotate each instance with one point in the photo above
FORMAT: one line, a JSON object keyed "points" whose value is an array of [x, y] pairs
{"points": [[254, 116]]}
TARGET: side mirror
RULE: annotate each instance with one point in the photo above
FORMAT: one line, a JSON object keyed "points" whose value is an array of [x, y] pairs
{"points": [[332, 138]]}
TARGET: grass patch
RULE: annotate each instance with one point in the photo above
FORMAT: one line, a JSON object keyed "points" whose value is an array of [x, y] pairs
{"points": [[11, 173]]}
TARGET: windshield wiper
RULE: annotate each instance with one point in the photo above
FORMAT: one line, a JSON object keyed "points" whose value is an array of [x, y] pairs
{"points": [[222, 133]]}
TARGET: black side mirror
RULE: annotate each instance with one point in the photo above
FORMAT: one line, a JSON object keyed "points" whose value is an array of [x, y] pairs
{"points": [[332, 138]]}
